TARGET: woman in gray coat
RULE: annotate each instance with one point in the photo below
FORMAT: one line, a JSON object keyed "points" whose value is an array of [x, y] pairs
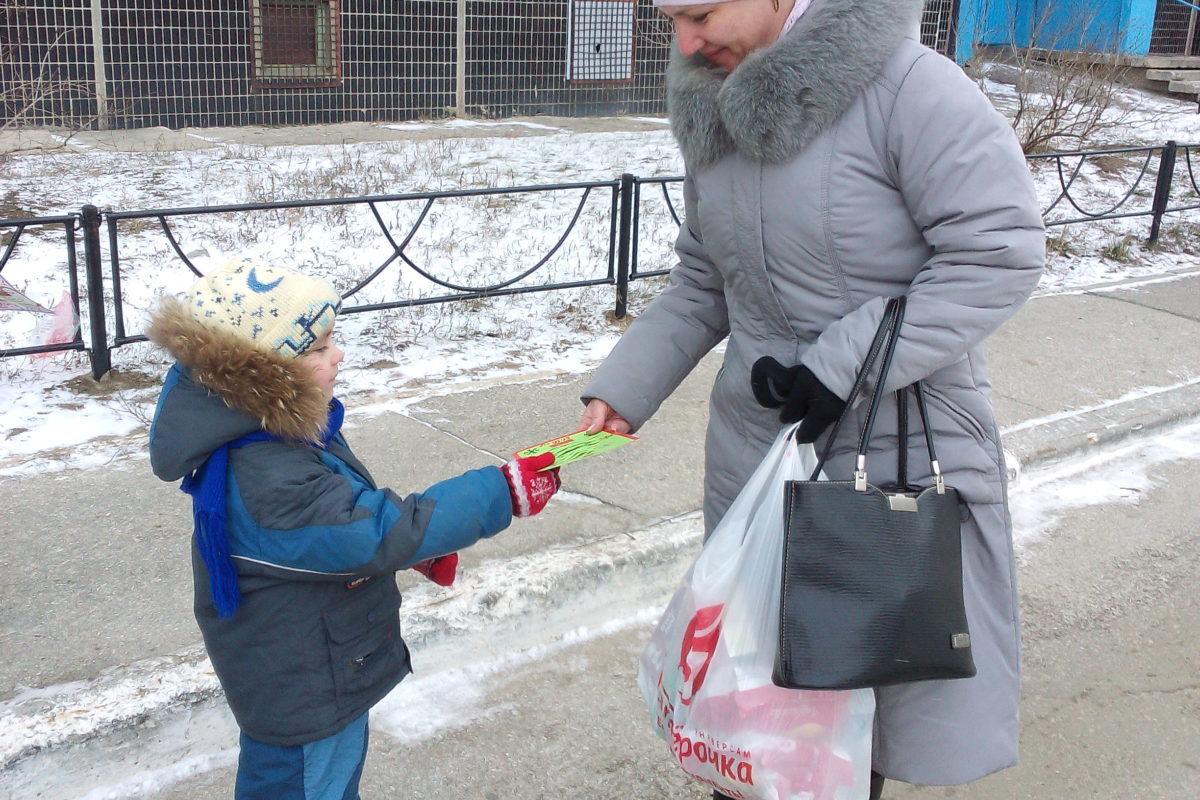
{"points": [[833, 161]]}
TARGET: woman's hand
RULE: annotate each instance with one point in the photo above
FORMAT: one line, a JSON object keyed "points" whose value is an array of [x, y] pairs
{"points": [[799, 393], [598, 415]]}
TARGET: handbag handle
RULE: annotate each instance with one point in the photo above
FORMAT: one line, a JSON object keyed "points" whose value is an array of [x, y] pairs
{"points": [[885, 339], [886, 325], [902, 427], [935, 468]]}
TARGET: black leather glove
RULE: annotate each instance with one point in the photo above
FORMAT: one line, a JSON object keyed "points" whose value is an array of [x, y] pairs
{"points": [[800, 395]]}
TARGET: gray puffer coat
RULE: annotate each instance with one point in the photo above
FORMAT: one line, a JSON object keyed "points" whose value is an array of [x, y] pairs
{"points": [[841, 165]]}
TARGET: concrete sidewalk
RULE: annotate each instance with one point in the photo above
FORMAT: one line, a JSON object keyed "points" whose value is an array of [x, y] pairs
{"points": [[95, 605], [158, 139]]}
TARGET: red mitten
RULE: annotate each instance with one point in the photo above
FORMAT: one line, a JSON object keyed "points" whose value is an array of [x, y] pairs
{"points": [[528, 488], [440, 570]]}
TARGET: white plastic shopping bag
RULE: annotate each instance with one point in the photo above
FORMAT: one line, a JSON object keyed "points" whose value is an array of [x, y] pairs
{"points": [[706, 673]]}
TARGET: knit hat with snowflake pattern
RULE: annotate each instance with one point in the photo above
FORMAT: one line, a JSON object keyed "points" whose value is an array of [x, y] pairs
{"points": [[272, 308]]}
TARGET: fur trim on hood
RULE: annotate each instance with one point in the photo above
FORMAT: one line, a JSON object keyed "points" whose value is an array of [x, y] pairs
{"points": [[277, 391], [781, 97]]}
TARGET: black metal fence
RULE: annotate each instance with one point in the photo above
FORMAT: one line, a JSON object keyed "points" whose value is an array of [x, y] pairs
{"points": [[625, 198]]}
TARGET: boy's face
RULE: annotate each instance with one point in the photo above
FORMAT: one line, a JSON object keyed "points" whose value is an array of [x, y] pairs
{"points": [[322, 360]]}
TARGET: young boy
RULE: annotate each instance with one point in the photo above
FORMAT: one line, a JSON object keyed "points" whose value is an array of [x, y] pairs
{"points": [[295, 548]]}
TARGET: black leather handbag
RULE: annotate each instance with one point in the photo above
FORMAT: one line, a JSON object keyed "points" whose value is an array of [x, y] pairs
{"points": [[872, 589]]}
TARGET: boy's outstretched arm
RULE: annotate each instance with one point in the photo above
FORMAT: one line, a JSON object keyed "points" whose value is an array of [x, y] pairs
{"points": [[528, 492], [308, 516]]}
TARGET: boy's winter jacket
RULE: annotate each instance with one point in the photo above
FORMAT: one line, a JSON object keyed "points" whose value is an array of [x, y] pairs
{"points": [[315, 543]]}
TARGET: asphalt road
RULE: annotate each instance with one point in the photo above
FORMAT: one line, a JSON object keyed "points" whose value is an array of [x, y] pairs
{"points": [[1111, 704], [1111, 708]]}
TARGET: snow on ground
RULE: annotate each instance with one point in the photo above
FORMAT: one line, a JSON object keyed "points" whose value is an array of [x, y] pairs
{"points": [[1110, 475], [56, 418], [469, 241]]}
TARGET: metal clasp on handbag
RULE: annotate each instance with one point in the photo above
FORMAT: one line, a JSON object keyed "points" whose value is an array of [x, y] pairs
{"points": [[885, 340]]}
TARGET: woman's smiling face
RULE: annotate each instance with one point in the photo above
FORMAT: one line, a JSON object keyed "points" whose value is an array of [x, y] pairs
{"points": [[725, 33]]}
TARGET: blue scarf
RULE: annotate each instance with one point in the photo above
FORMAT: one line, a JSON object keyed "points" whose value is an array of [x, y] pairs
{"points": [[207, 488]]}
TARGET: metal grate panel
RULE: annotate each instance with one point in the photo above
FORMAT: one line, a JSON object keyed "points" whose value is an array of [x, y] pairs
{"points": [[602, 40], [939, 25], [296, 42], [1176, 30]]}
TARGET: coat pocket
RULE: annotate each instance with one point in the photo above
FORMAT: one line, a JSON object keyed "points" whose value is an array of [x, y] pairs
{"points": [[951, 405], [365, 647]]}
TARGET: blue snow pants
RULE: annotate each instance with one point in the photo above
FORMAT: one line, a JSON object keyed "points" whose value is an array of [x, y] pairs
{"points": [[327, 769]]}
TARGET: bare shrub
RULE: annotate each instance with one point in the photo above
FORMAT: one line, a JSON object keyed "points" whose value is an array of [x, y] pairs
{"points": [[38, 94], [1061, 98]]}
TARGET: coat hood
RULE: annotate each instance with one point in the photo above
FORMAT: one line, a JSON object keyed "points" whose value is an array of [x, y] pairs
{"points": [[781, 97], [259, 390]]}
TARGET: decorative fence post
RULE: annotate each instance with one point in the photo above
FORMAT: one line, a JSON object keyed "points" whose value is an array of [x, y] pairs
{"points": [[624, 235], [99, 353], [1162, 189]]}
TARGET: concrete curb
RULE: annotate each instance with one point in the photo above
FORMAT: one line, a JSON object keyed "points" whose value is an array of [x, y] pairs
{"points": [[503, 594], [1048, 440]]}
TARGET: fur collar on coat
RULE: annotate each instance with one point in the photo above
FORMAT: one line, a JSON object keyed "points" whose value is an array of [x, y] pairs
{"points": [[279, 392], [780, 97]]}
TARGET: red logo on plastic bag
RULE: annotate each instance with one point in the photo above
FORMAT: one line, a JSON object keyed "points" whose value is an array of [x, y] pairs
{"points": [[696, 652]]}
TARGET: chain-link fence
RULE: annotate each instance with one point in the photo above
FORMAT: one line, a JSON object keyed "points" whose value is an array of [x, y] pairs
{"points": [[46, 63], [193, 63], [200, 63]]}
